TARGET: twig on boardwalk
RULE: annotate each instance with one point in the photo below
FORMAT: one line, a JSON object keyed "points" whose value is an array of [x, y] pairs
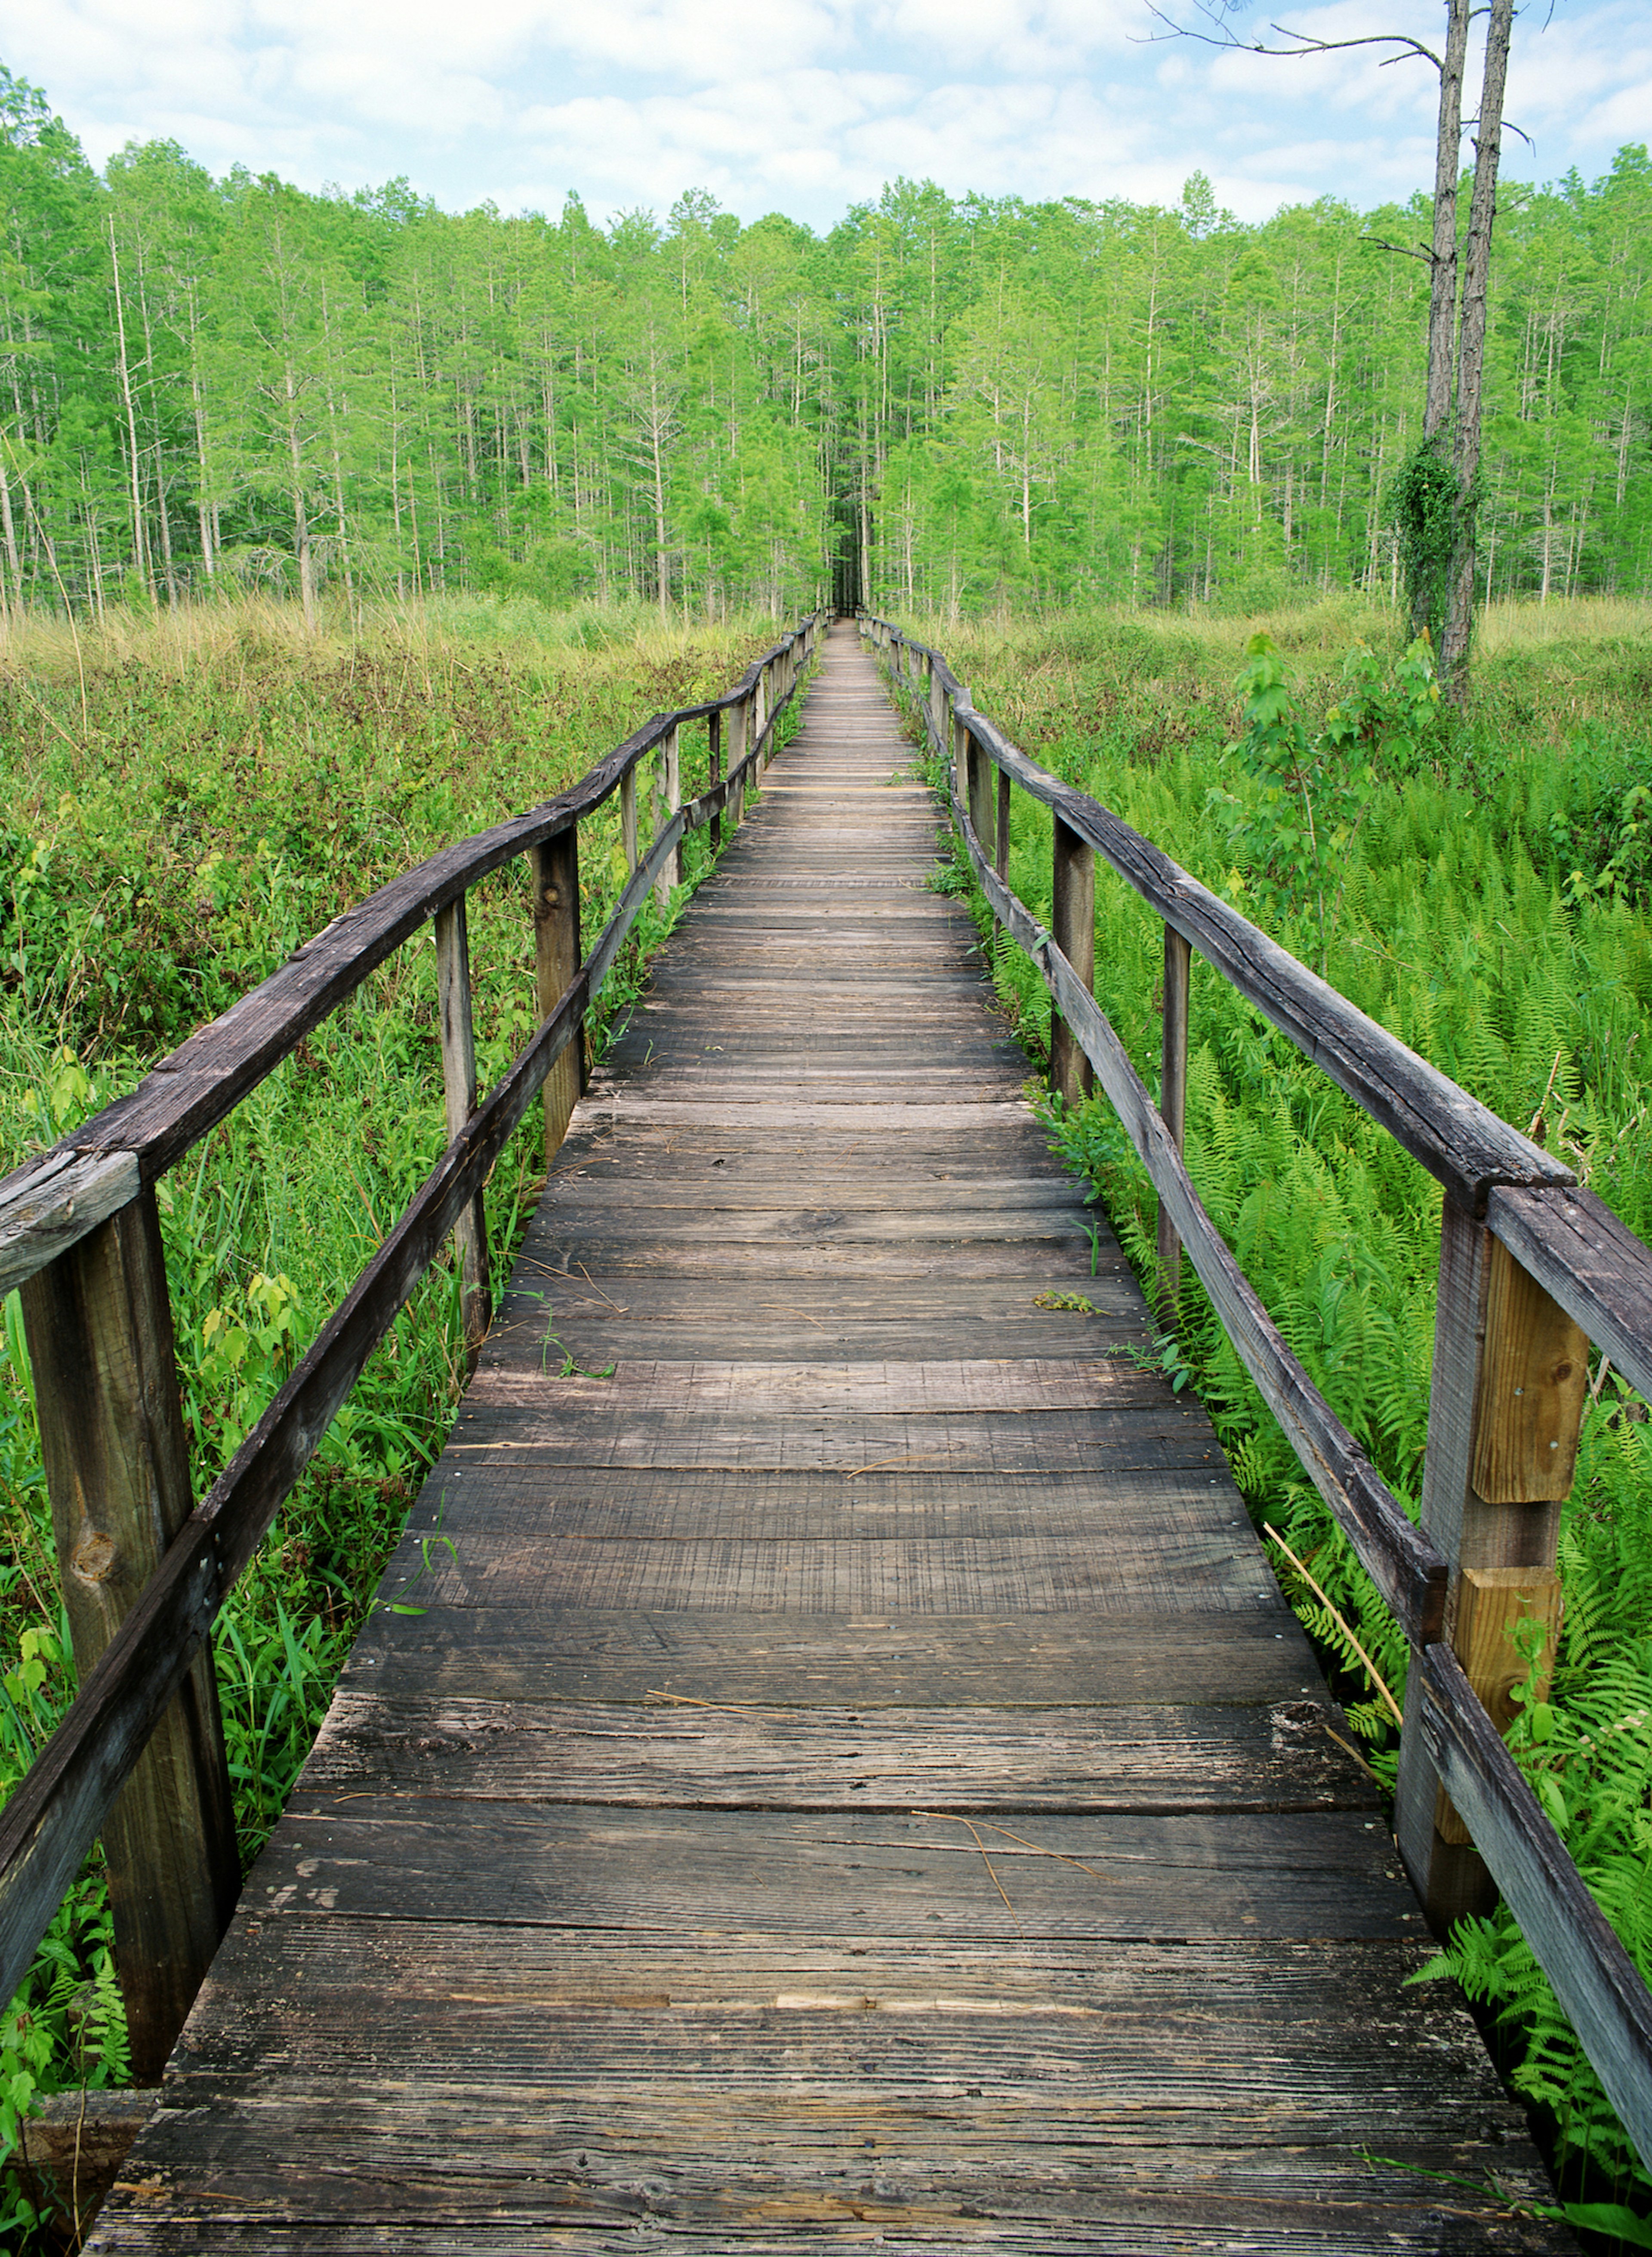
{"points": [[1037, 1848], [985, 1860], [1337, 1617], [882, 1465]]}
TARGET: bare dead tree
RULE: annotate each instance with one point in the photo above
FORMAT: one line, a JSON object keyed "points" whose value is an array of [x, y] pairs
{"points": [[1436, 492]]}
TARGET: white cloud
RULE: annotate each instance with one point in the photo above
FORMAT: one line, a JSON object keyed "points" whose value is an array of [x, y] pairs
{"points": [[804, 105]]}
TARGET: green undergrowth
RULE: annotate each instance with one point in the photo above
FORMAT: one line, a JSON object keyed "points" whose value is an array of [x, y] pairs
{"points": [[1483, 891], [182, 812]]}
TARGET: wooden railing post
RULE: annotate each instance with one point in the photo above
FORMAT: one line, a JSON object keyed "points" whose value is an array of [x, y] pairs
{"points": [[739, 720], [556, 963], [117, 1473], [1173, 1104], [1001, 837], [1510, 1376], [937, 702], [628, 815], [714, 770], [1073, 929], [669, 773], [459, 1084]]}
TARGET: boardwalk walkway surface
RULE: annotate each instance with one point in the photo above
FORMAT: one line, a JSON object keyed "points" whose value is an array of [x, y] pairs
{"points": [[854, 1779]]}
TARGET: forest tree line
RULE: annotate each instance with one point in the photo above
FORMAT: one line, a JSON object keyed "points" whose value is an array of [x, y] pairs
{"points": [[942, 404]]}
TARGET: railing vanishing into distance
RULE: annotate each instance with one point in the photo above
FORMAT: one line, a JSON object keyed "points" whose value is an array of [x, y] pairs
{"points": [[144, 1570], [1533, 1267]]}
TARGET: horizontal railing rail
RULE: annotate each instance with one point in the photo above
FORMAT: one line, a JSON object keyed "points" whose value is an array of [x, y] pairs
{"points": [[139, 1755], [1533, 1268]]}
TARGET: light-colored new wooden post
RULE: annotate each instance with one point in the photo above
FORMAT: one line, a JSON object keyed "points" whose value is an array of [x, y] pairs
{"points": [[714, 771], [1510, 1374], [555, 867], [117, 1474], [669, 773], [1073, 929], [1173, 1104], [459, 1085]]}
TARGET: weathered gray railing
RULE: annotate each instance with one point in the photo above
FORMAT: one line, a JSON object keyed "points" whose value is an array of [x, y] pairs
{"points": [[1532, 1268], [140, 1758]]}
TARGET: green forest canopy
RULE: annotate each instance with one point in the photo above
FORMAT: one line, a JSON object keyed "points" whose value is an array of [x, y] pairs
{"points": [[944, 404]]}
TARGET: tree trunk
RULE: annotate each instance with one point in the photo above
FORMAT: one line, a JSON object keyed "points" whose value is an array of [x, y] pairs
{"points": [[1442, 268], [1459, 616]]}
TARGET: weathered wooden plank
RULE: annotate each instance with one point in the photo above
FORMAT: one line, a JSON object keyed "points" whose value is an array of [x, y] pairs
{"points": [[1167, 1654], [1157, 1759], [881, 1388], [1170, 2088], [1109, 1505], [841, 1874], [948, 1444], [866, 1576]]}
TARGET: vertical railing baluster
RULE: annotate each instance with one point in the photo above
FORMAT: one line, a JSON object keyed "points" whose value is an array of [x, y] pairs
{"points": [[1001, 838], [116, 1462], [1173, 1104], [628, 816], [459, 1085], [667, 774], [739, 726], [555, 868], [714, 771], [1073, 929]]}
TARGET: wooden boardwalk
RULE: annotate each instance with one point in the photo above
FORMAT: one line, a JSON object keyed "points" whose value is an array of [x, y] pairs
{"points": [[853, 1780]]}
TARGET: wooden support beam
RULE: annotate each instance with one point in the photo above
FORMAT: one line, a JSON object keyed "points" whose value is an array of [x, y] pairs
{"points": [[556, 964], [459, 1085], [1073, 929], [668, 785], [739, 723], [628, 816], [1505, 1406], [117, 1473], [1173, 1104]]}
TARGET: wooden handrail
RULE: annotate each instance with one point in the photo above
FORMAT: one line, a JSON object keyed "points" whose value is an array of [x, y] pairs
{"points": [[1580, 1262], [51, 1209]]}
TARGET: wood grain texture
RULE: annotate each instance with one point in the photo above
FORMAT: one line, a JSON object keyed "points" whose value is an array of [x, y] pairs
{"points": [[47, 1206], [1598, 1269], [829, 1763], [116, 1465]]}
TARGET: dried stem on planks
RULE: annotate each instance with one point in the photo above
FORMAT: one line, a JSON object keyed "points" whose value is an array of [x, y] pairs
{"points": [[1341, 1621]]}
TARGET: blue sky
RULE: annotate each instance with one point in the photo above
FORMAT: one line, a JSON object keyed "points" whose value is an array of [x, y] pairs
{"points": [[804, 106]]}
